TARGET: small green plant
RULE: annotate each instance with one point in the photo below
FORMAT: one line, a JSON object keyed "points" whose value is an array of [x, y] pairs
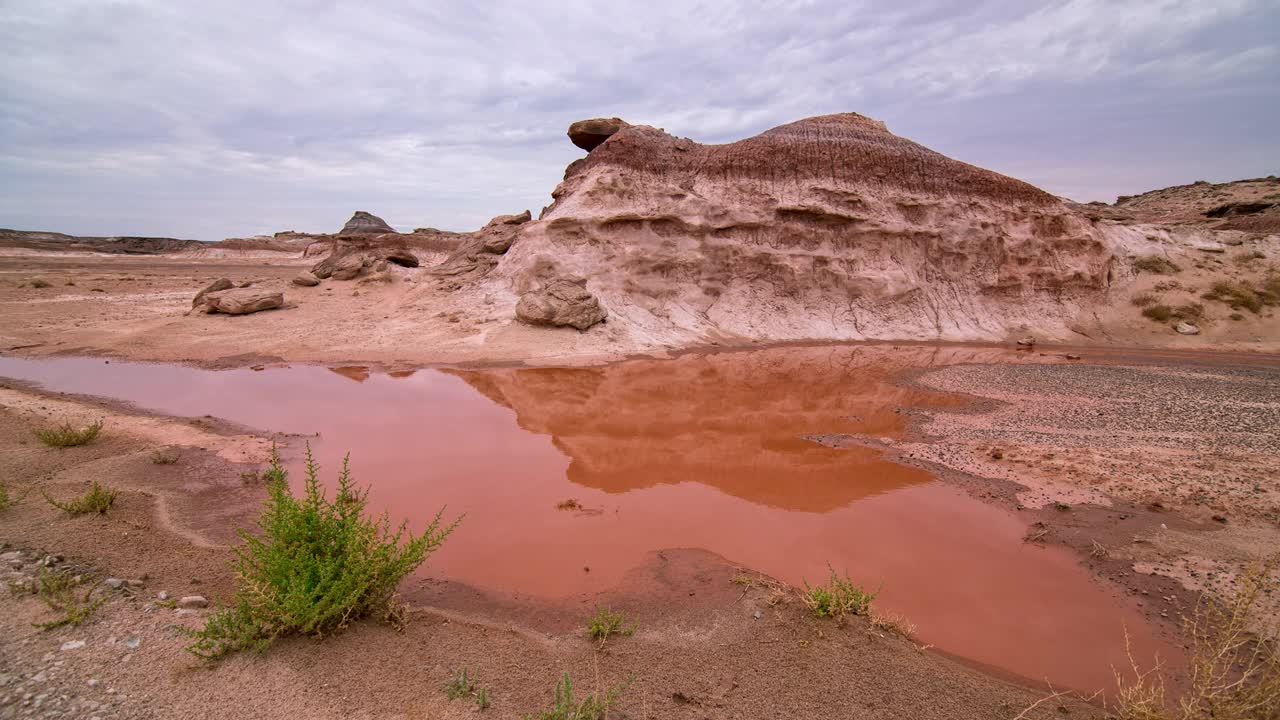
{"points": [[483, 700], [38, 283], [67, 435], [592, 707], [605, 623], [97, 499], [5, 500], [1156, 265], [316, 566], [837, 598], [166, 455], [60, 592], [462, 685]]}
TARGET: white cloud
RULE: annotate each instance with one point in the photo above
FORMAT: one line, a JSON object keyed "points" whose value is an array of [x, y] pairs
{"points": [[233, 117]]}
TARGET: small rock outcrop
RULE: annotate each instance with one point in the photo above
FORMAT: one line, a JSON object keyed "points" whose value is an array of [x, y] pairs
{"points": [[363, 223], [349, 266], [518, 219], [241, 301], [560, 303], [215, 286], [479, 253], [306, 279], [590, 134]]}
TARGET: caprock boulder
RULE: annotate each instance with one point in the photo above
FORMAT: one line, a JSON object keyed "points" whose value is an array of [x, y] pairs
{"points": [[826, 228]]}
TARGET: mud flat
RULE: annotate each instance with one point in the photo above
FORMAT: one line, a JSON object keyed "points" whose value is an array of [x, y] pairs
{"points": [[690, 477]]}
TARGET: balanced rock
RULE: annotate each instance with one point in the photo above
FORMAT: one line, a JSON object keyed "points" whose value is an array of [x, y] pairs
{"points": [[306, 279], [560, 303], [589, 134], [241, 301], [215, 286], [365, 223]]}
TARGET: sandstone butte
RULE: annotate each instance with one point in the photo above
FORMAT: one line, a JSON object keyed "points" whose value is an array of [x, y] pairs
{"points": [[827, 228]]}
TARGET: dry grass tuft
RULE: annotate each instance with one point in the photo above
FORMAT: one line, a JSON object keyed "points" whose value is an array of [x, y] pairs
{"points": [[1234, 674], [1156, 265], [166, 455]]}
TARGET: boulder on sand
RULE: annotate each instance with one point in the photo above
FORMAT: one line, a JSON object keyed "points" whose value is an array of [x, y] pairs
{"points": [[349, 267], [365, 223], [215, 286], [590, 134], [241, 301], [306, 279], [560, 303]]}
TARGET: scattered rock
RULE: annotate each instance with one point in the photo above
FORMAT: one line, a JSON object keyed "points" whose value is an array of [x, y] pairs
{"points": [[116, 583], [241, 301], [1027, 342], [561, 303], [1186, 328], [1072, 357], [306, 279], [217, 285], [72, 645], [133, 642], [365, 223], [193, 601], [590, 134]]}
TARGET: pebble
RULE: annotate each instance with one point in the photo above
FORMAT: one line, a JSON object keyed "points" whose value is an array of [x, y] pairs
{"points": [[115, 583], [72, 645], [193, 601], [133, 642]]}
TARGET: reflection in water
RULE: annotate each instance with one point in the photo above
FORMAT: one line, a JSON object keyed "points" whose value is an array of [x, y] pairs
{"points": [[359, 373], [700, 451]]}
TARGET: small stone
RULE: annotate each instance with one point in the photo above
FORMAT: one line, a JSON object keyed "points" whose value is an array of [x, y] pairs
{"points": [[163, 595], [193, 601], [72, 645], [1027, 342], [133, 642], [93, 682], [115, 583], [757, 614], [40, 677]]}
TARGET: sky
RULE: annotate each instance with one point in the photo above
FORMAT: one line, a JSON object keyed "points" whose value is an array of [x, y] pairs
{"points": [[206, 120]]}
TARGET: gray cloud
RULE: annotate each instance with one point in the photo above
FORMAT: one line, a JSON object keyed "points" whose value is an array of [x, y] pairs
{"points": [[216, 119]]}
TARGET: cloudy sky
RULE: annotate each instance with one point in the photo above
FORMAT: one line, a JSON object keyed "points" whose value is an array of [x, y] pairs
{"points": [[204, 120]]}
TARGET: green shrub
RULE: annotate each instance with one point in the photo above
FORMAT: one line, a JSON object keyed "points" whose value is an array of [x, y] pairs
{"points": [[67, 435], [59, 591], [1159, 313], [592, 707], [5, 500], [605, 623], [837, 598], [1156, 265], [98, 499], [317, 565]]}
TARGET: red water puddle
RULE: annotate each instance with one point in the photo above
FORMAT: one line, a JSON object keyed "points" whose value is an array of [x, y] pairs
{"points": [[701, 451]]}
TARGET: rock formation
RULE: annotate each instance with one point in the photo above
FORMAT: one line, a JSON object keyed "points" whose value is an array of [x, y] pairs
{"points": [[589, 134], [306, 279], [561, 302], [215, 286], [363, 223], [830, 227], [480, 251], [241, 301]]}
